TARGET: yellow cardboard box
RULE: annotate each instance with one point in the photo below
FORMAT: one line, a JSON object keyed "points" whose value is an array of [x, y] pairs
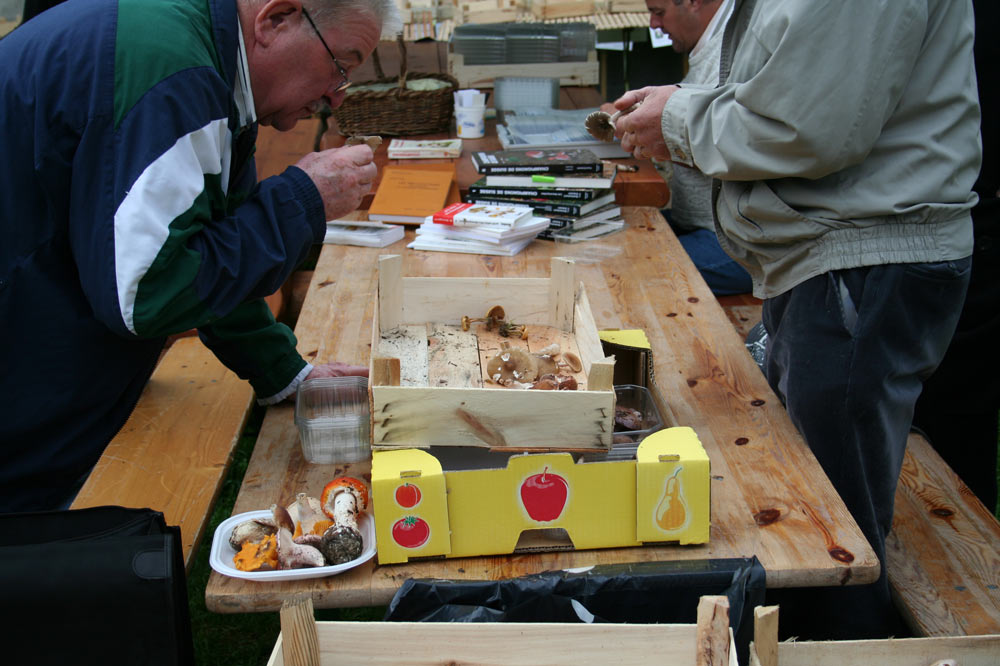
{"points": [[423, 511]]}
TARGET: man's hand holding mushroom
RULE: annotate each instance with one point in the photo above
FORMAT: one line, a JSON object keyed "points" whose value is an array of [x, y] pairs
{"points": [[343, 177], [639, 130]]}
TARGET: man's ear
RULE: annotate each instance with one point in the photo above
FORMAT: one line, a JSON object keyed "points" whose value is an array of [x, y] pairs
{"points": [[275, 17]]}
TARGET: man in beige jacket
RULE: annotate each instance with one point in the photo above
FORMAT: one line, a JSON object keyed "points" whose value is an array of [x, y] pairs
{"points": [[845, 145]]}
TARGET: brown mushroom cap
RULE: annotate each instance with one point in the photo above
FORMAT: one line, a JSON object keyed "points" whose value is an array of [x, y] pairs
{"points": [[512, 365], [496, 313], [567, 382], [546, 383], [572, 361]]}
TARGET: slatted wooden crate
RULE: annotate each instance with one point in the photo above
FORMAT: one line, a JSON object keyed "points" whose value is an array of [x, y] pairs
{"points": [[942, 651], [428, 384], [305, 642]]}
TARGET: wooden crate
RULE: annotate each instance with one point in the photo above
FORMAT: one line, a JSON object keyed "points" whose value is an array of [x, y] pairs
{"points": [[765, 650], [553, 9], [426, 378], [584, 73], [305, 642]]}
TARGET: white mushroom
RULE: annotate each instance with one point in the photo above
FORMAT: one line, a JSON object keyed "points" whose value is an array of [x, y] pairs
{"points": [[293, 555], [253, 530], [305, 512], [342, 542]]}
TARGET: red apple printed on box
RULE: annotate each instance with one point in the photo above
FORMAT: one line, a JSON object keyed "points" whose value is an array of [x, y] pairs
{"points": [[544, 495], [407, 495], [411, 532]]}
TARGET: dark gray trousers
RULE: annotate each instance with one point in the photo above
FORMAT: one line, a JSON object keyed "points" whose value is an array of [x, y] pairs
{"points": [[847, 354]]}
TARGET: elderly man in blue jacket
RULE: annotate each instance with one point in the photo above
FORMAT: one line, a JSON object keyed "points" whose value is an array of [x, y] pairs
{"points": [[131, 207]]}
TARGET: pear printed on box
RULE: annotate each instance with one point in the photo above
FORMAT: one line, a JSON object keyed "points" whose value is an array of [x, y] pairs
{"points": [[671, 511]]}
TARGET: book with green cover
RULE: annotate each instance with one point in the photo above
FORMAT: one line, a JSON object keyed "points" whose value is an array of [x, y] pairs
{"points": [[592, 181], [550, 206], [480, 188]]}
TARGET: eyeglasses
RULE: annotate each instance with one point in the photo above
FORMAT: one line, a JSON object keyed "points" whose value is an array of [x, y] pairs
{"points": [[340, 69]]}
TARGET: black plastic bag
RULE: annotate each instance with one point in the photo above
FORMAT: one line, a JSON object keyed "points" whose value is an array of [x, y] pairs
{"points": [[104, 585], [643, 592]]}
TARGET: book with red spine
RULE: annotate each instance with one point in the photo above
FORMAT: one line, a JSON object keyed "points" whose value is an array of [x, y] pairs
{"points": [[475, 214]]}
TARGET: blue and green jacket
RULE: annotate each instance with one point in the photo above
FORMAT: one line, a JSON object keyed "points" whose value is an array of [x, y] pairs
{"points": [[130, 211]]}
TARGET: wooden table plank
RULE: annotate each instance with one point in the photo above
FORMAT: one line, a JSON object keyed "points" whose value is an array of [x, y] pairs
{"points": [[769, 495]]}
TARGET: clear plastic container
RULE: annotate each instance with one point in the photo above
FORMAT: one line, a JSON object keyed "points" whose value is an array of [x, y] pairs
{"points": [[576, 41], [636, 416], [512, 92], [332, 416], [480, 44]]}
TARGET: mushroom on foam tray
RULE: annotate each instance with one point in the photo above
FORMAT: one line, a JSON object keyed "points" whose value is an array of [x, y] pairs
{"points": [[342, 500]]}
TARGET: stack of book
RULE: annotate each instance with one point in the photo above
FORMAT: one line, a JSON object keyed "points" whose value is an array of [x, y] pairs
{"points": [[538, 178], [479, 229]]}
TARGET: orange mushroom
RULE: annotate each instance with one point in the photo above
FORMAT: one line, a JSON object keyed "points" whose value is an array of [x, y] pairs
{"points": [[338, 485]]}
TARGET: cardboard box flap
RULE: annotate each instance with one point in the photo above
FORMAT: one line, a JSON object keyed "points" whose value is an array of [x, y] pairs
{"points": [[412, 505], [633, 355], [673, 479]]}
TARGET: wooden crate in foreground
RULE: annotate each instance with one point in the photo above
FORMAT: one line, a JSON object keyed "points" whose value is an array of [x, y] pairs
{"points": [[941, 651], [305, 642]]}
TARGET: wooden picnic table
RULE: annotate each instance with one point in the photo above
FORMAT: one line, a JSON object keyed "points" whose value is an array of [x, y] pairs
{"points": [[770, 498]]}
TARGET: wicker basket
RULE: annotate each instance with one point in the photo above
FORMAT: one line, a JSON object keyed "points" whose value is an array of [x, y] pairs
{"points": [[397, 112]]}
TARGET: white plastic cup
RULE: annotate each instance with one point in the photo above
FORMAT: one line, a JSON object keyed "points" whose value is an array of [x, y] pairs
{"points": [[470, 121]]}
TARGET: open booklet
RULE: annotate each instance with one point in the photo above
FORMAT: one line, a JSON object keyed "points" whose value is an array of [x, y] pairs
{"points": [[347, 232]]}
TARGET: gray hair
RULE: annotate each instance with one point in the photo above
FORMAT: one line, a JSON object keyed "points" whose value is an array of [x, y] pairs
{"points": [[327, 12]]}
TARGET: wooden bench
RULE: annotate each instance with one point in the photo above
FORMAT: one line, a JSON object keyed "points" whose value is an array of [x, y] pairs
{"points": [[943, 554], [173, 453]]}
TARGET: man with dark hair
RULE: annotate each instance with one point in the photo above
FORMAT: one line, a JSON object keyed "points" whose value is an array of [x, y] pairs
{"points": [[695, 28]]}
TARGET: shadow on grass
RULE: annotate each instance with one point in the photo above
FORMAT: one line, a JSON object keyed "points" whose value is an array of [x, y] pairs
{"points": [[241, 638]]}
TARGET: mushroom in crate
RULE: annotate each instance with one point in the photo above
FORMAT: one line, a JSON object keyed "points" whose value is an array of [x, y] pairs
{"points": [[452, 355]]}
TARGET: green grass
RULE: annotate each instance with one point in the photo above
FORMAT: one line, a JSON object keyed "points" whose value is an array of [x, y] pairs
{"points": [[241, 638]]}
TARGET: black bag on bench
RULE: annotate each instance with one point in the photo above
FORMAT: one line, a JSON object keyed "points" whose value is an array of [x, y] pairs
{"points": [[104, 585]]}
